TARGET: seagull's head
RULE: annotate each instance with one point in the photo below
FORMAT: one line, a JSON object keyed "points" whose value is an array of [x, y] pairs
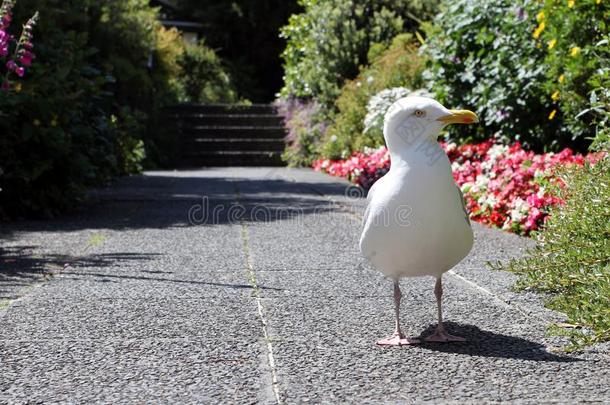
{"points": [[413, 119]]}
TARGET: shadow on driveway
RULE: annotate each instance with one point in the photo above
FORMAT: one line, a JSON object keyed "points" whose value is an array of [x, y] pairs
{"points": [[489, 344]]}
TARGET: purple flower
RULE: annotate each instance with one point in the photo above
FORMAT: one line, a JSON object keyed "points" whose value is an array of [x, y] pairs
{"points": [[26, 58]]}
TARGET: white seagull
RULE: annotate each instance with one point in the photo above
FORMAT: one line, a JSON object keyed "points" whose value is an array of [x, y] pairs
{"points": [[415, 223]]}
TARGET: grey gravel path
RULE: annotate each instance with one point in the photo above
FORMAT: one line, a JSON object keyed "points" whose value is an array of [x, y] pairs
{"points": [[140, 297]]}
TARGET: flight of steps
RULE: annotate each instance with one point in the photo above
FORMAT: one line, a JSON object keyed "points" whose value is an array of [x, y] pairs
{"points": [[228, 135]]}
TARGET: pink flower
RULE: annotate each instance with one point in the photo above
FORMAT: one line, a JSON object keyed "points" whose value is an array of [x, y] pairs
{"points": [[26, 58], [499, 184]]}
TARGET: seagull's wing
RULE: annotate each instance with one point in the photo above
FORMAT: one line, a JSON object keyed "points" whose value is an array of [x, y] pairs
{"points": [[461, 197], [369, 199]]}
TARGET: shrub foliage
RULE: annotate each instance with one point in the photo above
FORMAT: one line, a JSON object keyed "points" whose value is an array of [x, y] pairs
{"points": [[88, 108], [575, 38], [572, 258], [329, 40], [483, 57]]}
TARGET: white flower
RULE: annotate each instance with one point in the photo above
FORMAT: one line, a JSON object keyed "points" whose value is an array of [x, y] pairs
{"points": [[520, 209], [488, 200], [379, 104], [516, 215], [493, 154], [333, 138], [466, 187], [481, 182]]}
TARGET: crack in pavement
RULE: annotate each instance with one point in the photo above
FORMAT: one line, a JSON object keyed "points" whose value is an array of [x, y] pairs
{"points": [[275, 389]]}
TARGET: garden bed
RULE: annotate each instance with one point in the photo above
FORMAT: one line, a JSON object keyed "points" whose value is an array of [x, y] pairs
{"points": [[504, 186]]}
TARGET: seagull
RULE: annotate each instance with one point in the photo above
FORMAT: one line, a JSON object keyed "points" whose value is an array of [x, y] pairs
{"points": [[415, 223]]}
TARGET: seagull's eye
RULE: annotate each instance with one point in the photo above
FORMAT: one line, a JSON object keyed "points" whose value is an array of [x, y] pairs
{"points": [[420, 113]]}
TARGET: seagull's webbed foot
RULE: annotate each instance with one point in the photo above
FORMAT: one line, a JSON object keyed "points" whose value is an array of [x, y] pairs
{"points": [[397, 339], [441, 336]]}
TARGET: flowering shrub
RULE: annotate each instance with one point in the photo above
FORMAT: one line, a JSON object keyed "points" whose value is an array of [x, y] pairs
{"points": [[571, 260], [574, 36], [379, 104], [483, 57], [306, 125], [504, 186], [15, 55]]}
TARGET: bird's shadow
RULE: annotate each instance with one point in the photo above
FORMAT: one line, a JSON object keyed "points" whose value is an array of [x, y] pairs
{"points": [[489, 344]]}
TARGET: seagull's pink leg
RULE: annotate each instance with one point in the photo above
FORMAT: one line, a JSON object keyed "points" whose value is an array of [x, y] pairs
{"points": [[398, 338], [441, 335]]}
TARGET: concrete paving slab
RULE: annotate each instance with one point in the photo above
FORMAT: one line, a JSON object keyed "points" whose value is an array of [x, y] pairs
{"points": [[159, 305]]}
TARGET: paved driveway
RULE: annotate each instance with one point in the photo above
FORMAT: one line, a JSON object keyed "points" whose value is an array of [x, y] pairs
{"points": [[245, 285]]}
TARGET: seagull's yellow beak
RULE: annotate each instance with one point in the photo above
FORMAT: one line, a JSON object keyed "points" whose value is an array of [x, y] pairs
{"points": [[459, 117]]}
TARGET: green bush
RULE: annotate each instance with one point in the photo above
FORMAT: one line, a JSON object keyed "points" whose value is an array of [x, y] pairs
{"points": [[88, 109], [55, 137], [574, 35], [599, 98], [572, 257], [398, 65], [204, 78], [306, 123], [483, 56], [327, 43]]}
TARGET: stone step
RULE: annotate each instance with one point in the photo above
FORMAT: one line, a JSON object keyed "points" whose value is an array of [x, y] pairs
{"points": [[230, 120], [252, 132], [234, 144], [221, 109], [227, 135], [230, 158]]}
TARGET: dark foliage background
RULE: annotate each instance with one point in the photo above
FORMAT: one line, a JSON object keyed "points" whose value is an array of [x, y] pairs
{"points": [[245, 33]]}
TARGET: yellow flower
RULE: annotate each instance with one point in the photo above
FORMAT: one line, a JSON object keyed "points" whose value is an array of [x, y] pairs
{"points": [[555, 96], [54, 121], [539, 30], [570, 3], [552, 114], [561, 78], [36, 122], [540, 16], [552, 43], [598, 1], [575, 51], [17, 87]]}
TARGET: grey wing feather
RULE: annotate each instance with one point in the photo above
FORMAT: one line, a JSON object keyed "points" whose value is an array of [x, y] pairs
{"points": [[461, 197], [369, 198]]}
